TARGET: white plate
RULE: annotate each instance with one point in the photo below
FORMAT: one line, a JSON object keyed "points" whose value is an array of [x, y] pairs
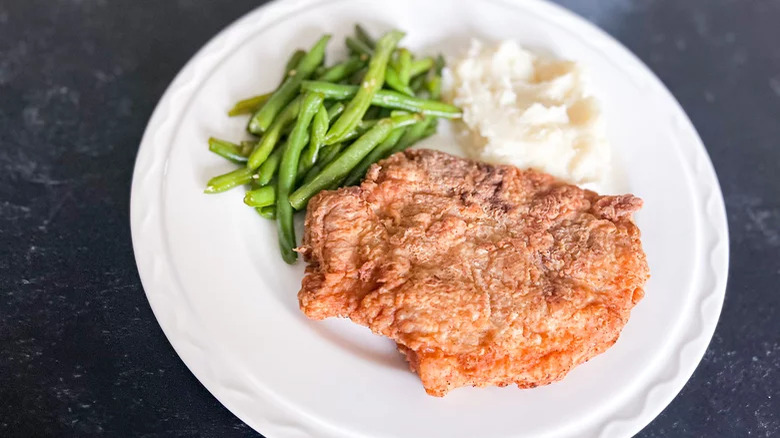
{"points": [[217, 285]]}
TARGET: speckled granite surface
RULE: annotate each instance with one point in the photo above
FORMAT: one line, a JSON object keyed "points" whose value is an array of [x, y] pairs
{"points": [[80, 351]]}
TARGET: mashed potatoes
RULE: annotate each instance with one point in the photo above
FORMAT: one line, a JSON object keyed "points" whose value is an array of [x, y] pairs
{"points": [[523, 109]]}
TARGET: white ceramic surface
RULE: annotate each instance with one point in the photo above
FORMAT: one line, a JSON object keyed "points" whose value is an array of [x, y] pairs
{"points": [[227, 302]]}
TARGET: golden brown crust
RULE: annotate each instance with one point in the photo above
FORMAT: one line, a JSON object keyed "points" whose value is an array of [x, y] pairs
{"points": [[483, 275]]}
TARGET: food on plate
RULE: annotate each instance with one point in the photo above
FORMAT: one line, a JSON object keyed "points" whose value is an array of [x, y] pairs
{"points": [[324, 126], [482, 274], [531, 111]]}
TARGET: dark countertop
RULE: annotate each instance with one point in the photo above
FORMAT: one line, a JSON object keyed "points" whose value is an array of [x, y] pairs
{"points": [[81, 352]]}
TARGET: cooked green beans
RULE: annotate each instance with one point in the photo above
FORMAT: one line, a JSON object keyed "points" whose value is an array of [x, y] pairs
{"points": [[262, 197], [412, 135], [247, 146], [319, 126], [342, 70], [335, 110], [372, 82], [439, 64], [229, 180], [288, 168], [386, 99], [327, 155], [390, 99], [420, 66], [268, 169], [375, 155], [357, 77], [249, 105], [394, 81], [404, 66], [358, 47], [361, 129], [252, 105], [349, 158], [363, 36], [268, 212], [417, 84], [292, 63], [325, 124], [272, 135], [227, 150], [434, 87], [287, 91]]}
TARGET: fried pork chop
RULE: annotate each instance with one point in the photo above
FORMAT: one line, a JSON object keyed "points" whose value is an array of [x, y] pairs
{"points": [[483, 275]]}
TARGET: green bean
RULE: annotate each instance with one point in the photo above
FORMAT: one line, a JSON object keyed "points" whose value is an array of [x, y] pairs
{"points": [[363, 36], [292, 63], [412, 135], [392, 79], [420, 66], [357, 77], [227, 150], [249, 105], [287, 91], [229, 180], [365, 125], [349, 158], [268, 212], [404, 66], [341, 70], [272, 135], [375, 155], [254, 184], [252, 104], [288, 127], [262, 197], [372, 82], [373, 113], [287, 175], [393, 61], [319, 126], [247, 146], [386, 99], [417, 84], [327, 155], [302, 167], [390, 99], [361, 129], [434, 87], [433, 82], [358, 47], [431, 129], [439, 63], [268, 169], [335, 110]]}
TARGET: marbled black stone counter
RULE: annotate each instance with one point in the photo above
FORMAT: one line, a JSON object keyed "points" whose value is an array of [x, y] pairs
{"points": [[80, 351]]}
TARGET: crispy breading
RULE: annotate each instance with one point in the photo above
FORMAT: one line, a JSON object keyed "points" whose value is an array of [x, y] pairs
{"points": [[483, 275]]}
